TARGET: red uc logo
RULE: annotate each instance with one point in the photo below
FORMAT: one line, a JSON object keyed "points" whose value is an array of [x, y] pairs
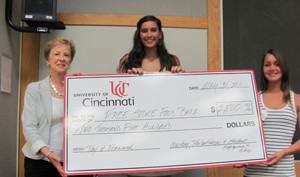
{"points": [[119, 89]]}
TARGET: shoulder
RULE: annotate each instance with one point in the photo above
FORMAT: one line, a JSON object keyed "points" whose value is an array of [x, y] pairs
{"points": [[124, 58], [176, 59], [34, 87], [297, 100], [121, 68], [297, 97]]}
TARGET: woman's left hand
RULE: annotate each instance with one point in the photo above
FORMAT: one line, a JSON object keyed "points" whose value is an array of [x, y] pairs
{"points": [[177, 69], [55, 160]]}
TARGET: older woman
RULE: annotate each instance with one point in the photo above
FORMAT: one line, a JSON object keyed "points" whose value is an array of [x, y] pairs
{"points": [[42, 117]]}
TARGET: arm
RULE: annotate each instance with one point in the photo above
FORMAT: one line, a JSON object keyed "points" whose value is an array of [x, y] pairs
{"points": [[31, 119], [294, 148]]}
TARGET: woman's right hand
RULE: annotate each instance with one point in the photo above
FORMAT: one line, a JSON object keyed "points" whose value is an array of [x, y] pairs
{"points": [[138, 71]]}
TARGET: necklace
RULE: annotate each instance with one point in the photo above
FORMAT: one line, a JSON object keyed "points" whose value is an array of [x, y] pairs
{"points": [[55, 89]]}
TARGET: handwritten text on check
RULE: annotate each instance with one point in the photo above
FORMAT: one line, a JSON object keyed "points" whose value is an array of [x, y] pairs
{"points": [[129, 123]]}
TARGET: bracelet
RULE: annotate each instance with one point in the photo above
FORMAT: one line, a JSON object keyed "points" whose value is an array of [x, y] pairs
{"points": [[47, 155]]}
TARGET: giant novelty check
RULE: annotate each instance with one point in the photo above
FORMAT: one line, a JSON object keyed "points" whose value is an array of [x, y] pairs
{"points": [[131, 123]]}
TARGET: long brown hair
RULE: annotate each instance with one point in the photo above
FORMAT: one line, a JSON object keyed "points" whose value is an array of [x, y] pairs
{"points": [[137, 53], [285, 79]]}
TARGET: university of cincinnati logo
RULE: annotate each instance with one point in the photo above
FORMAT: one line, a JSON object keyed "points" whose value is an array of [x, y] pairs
{"points": [[119, 89]]}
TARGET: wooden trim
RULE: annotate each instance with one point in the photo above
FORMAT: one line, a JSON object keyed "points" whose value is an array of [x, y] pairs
{"points": [[214, 35], [29, 73], [297, 168], [129, 20], [215, 63], [225, 172]]}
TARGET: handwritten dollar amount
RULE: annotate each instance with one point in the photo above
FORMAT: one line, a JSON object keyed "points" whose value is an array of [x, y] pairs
{"points": [[232, 108]]}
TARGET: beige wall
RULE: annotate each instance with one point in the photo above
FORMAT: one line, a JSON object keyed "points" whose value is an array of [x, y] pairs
{"points": [[100, 48]]}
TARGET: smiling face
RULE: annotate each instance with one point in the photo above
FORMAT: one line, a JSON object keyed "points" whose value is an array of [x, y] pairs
{"points": [[271, 69], [59, 58], [150, 34]]}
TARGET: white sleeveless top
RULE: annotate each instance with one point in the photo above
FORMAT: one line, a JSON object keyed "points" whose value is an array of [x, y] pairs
{"points": [[279, 128], [56, 129]]}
